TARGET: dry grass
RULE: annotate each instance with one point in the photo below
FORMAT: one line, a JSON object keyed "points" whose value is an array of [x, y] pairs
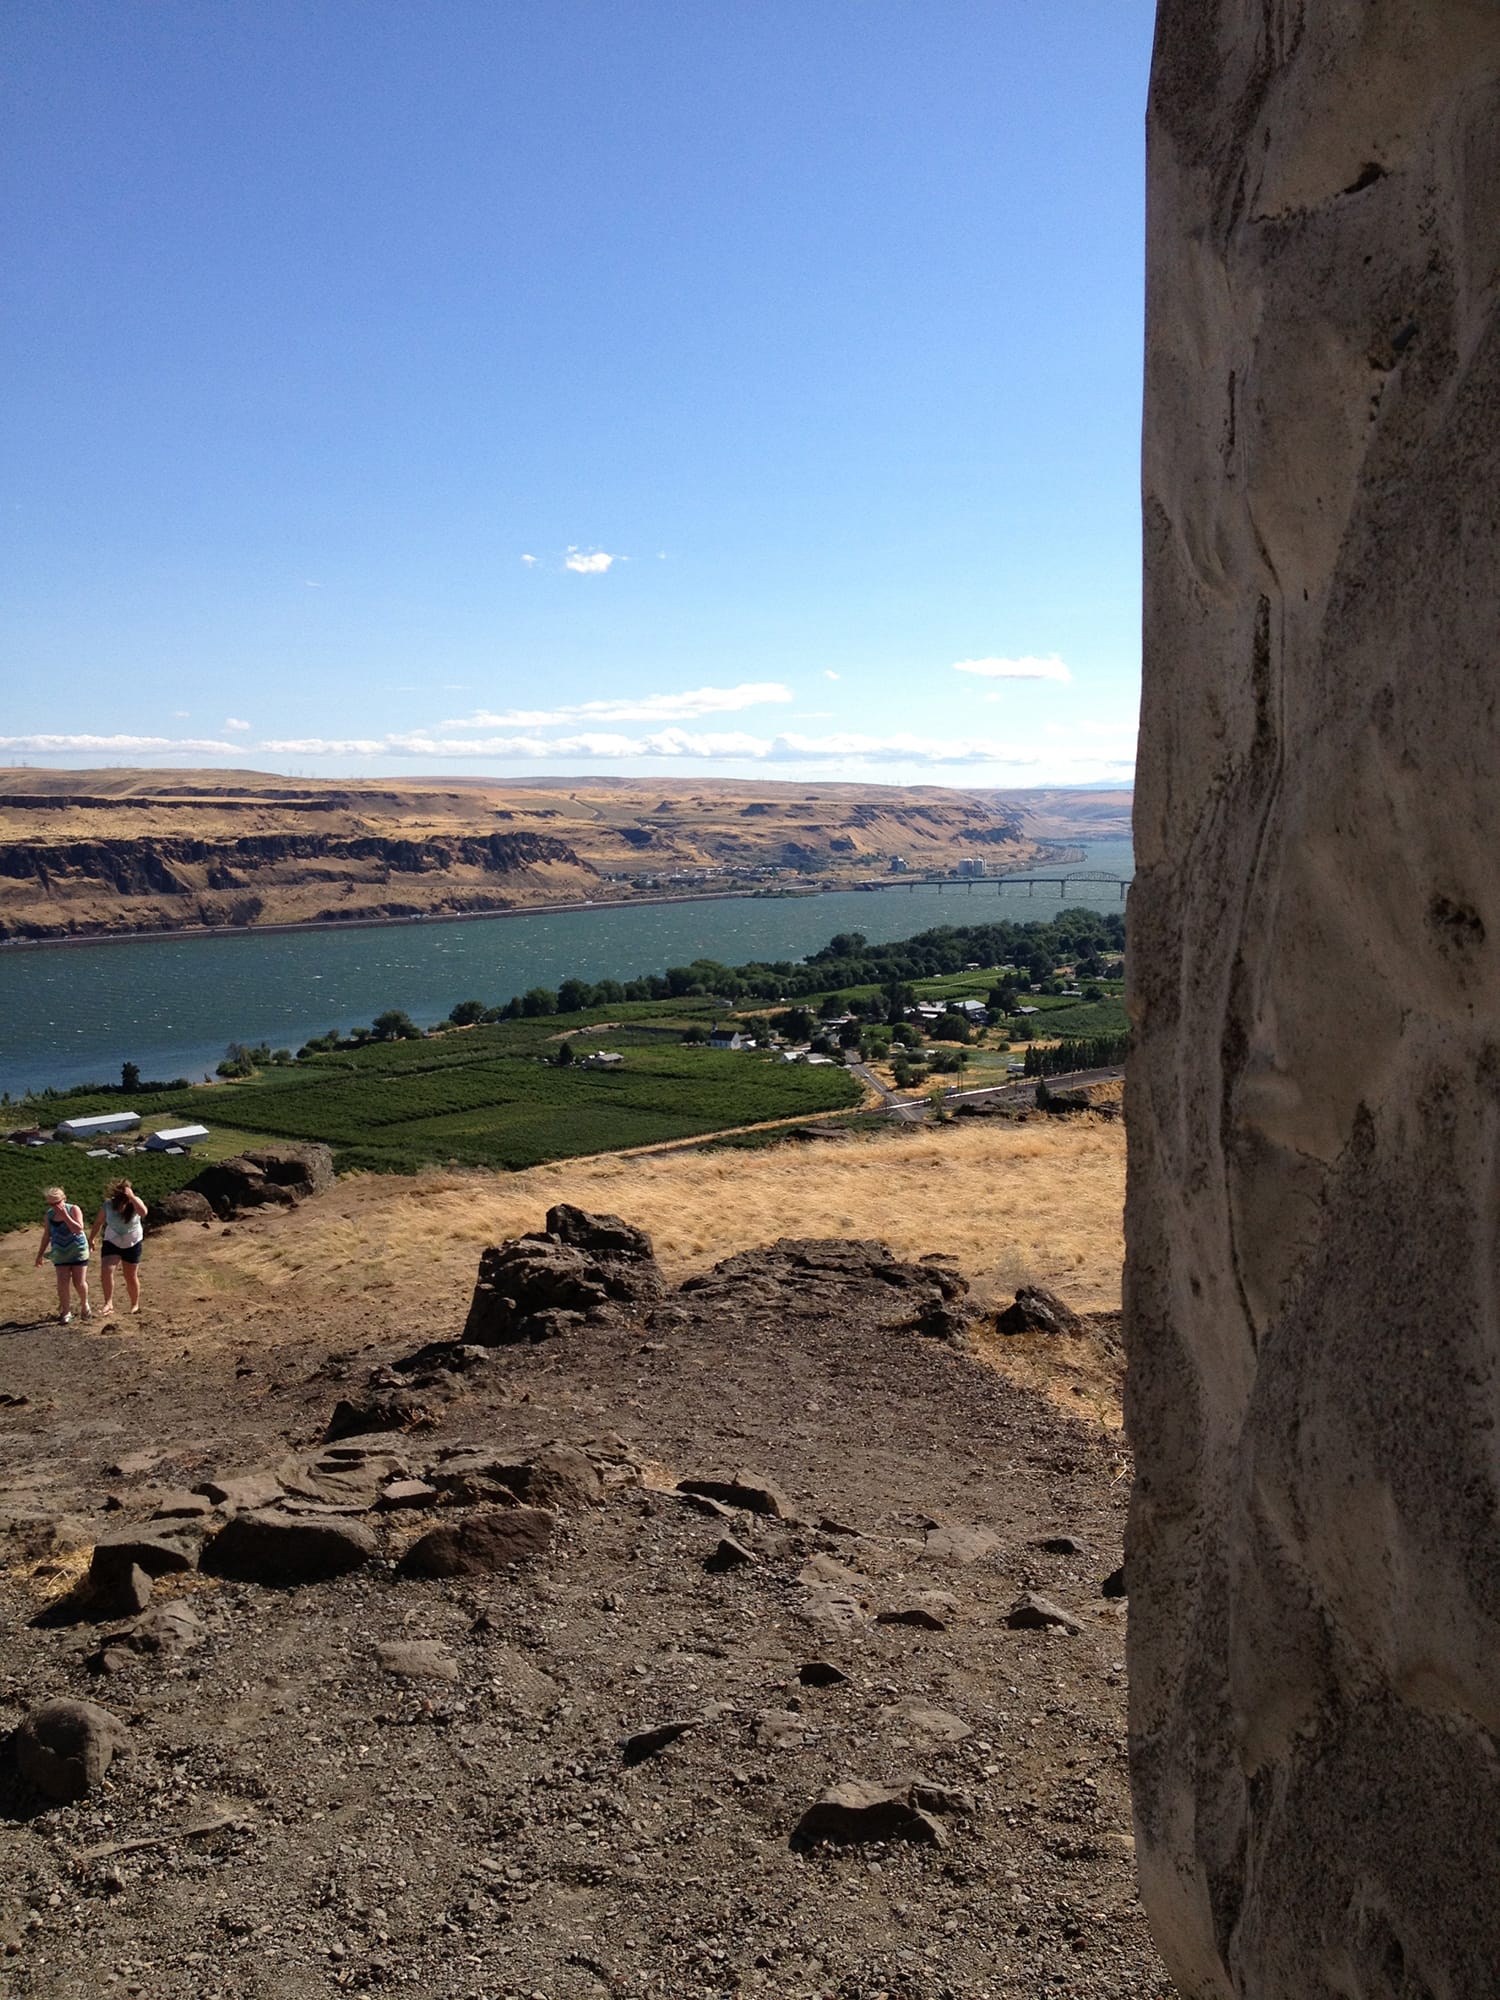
{"points": [[1014, 1204]]}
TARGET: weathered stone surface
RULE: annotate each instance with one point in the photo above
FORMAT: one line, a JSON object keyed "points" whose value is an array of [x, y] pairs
{"points": [[1032, 1612], [167, 1631], [239, 1491], [63, 1748], [952, 1541], [1037, 1310], [182, 1206], [1314, 1319], [417, 1659], [287, 1549], [821, 1674], [115, 1556], [750, 1490], [481, 1543], [856, 1811], [728, 1553], [181, 1506], [407, 1493]]}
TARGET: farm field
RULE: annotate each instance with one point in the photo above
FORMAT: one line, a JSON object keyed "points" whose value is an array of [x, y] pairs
{"points": [[476, 1097]]}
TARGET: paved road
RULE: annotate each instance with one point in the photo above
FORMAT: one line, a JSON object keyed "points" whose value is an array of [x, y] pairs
{"points": [[912, 1111]]}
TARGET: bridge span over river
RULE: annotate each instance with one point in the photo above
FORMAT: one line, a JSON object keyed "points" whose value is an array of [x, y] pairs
{"points": [[1090, 877]]}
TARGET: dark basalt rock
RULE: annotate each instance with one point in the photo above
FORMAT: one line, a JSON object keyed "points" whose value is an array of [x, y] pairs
{"points": [[1039, 1311], [540, 1286]]}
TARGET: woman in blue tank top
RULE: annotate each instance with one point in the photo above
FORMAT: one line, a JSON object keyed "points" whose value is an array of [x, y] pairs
{"points": [[65, 1245]]}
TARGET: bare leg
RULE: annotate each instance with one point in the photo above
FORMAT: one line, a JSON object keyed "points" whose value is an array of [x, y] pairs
{"points": [[133, 1286], [63, 1281], [107, 1280], [81, 1286]]}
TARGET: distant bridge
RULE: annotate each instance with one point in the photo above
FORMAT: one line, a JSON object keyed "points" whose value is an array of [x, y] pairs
{"points": [[1030, 883]]}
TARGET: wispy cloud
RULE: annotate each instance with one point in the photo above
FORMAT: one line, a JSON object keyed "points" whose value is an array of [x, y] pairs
{"points": [[688, 706], [122, 746], [589, 562], [829, 674], [733, 746], [1027, 668], [530, 561], [233, 722]]}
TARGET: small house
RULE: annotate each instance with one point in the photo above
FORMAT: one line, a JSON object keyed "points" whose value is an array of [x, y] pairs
{"points": [[603, 1059], [177, 1139], [101, 1127], [727, 1038]]}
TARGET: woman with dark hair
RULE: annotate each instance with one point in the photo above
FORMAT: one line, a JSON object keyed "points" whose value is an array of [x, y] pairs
{"points": [[66, 1247], [122, 1219]]}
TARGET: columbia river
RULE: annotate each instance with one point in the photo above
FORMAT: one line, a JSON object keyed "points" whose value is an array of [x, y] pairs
{"points": [[171, 1004]]}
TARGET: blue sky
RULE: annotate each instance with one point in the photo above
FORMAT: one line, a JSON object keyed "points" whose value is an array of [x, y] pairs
{"points": [[733, 386]]}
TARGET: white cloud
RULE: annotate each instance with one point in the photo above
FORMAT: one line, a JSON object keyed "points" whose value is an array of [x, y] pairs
{"points": [[684, 707], [590, 562], [233, 722], [530, 561], [181, 714], [1027, 668], [121, 746], [708, 746], [829, 674], [311, 583]]}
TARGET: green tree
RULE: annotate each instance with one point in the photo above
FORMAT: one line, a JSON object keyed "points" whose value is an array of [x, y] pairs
{"points": [[537, 1000], [130, 1077], [394, 1025], [466, 1013], [573, 996], [564, 1054], [695, 1033]]}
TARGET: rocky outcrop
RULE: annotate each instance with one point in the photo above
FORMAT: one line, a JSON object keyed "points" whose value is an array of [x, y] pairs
{"points": [[1312, 1302], [278, 1177], [538, 1286]]}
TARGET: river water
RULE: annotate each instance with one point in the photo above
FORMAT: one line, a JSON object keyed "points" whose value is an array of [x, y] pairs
{"points": [[73, 1014]]}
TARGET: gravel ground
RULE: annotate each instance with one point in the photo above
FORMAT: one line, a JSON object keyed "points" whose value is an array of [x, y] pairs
{"points": [[294, 1811]]}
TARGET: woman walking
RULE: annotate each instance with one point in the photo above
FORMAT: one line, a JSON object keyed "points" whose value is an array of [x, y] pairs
{"points": [[66, 1246], [122, 1219]]}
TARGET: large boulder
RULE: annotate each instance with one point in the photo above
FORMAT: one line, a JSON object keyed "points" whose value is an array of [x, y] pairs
{"points": [[265, 1176], [184, 1205], [1312, 1298], [283, 1549], [62, 1749]]}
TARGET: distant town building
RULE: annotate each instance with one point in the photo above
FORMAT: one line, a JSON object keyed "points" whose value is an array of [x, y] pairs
{"points": [[900, 865]]}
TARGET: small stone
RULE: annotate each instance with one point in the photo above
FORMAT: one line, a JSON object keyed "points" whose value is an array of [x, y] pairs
{"points": [[930, 1726], [750, 1490], [181, 1506], [64, 1748], [1038, 1311], [1114, 1584], [821, 1674], [481, 1544], [929, 1611], [407, 1493], [651, 1742], [778, 1729], [856, 1811], [1060, 1545], [417, 1659], [949, 1541], [730, 1554], [1034, 1613]]}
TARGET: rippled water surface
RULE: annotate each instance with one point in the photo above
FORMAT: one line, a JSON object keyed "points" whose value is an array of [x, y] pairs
{"points": [[73, 1014]]}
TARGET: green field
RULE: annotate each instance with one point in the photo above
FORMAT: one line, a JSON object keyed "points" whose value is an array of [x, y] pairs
{"points": [[481, 1097]]}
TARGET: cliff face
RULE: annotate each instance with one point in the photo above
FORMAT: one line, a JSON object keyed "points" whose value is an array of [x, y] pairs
{"points": [[176, 880], [1314, 1274]]}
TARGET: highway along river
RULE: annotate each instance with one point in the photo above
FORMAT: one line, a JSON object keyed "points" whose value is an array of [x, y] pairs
{"points": [[74, 1013]]}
